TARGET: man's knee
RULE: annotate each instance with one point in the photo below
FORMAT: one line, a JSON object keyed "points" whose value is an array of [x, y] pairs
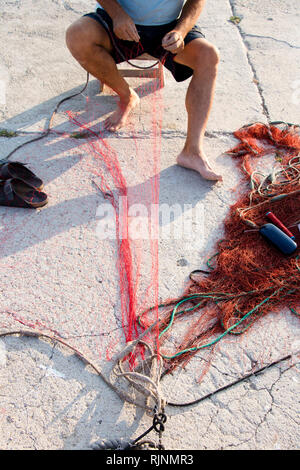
{"points": [[199, 54], [83, 36], [76, 40], [207, 55], [212, 55], [203, 54]]}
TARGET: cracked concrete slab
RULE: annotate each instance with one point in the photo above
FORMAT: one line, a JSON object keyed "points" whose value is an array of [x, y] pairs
{"points": [[57, 274], [271, 35]]}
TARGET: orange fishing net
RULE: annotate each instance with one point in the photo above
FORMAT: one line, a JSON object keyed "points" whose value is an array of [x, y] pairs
{"points": [[248, 277]]}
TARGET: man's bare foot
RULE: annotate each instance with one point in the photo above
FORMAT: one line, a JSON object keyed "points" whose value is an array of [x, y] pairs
{"points": [[119, 117], [198, 163]]}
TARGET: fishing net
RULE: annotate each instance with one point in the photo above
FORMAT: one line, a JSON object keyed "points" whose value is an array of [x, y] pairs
{"points": [[126, 184], [247, 277]]}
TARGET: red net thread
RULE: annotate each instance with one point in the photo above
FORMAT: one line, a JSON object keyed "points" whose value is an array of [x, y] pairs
{"points": [[133, 256], [115, 188]]}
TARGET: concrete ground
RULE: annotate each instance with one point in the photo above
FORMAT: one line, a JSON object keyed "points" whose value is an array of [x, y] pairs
{"points": [[57, 274]]}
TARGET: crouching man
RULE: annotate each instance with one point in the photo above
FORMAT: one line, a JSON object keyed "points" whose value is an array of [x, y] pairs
{"points": [[165, 29]]}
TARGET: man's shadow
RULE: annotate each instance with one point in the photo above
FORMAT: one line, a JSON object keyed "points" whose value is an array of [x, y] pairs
{"points": [[45, 159]]}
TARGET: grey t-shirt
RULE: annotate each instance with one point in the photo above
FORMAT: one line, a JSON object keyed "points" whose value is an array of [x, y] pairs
{"points": [[152, 12]]}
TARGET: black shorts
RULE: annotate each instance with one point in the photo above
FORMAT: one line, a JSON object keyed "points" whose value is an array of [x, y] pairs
{"points": [[150, 43]]}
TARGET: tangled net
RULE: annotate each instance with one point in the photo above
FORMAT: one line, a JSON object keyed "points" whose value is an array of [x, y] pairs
{"points": [[250, 277], [128, 181]]}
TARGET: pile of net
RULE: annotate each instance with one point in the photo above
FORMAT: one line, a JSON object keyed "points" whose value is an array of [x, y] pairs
{"points": [[247, 277]]}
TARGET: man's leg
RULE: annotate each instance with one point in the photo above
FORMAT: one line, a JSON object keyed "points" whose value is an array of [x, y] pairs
{"points": [[90, 44], [203, 58]]}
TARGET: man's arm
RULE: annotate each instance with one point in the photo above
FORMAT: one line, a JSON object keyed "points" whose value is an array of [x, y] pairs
{"points": [[124, 26], [174, 40], [189, 16]]}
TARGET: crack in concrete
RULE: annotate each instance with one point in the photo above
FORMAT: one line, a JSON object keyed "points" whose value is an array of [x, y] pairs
{"points": [[48, 366], [232, 446], [281, 41], [251, 64], [225, 406], [29, 433], [68, 7], [212, 419], [264, 420], [222, 372], [105, 333]]}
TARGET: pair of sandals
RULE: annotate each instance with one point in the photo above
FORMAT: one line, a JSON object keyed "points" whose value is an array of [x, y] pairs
{"points": [[20, 187]]}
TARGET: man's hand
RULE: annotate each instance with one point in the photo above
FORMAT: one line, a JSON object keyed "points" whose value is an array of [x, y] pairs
{"points": [[124, 28], [173, 42]]}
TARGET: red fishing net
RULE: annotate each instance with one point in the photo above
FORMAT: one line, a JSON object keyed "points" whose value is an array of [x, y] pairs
{"points": [[135, 208], [125, 182]]}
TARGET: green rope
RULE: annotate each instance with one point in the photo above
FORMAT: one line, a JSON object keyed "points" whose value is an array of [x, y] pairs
{"points": [[294, 312], [217, 297], [165, 305], [209, 260], [216, 340], [174, 313]]}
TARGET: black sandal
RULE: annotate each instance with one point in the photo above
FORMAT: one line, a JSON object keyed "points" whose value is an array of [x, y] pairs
{"points": [[9, 170], [16, 193]]}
